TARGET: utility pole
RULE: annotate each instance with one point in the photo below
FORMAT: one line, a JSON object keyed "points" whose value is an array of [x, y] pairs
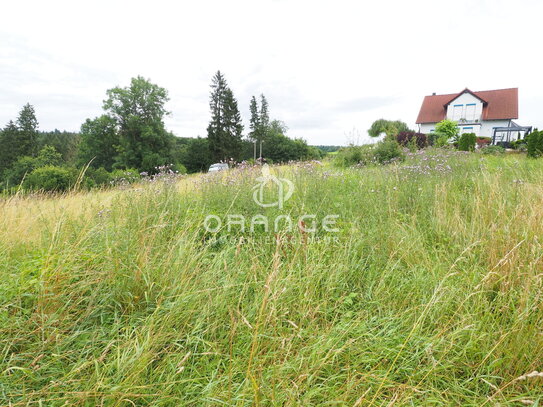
{"points": [[261, 151], [255, 151]]}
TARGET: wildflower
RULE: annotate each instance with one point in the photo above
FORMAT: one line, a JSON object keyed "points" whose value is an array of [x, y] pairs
{"points": [[103, 212]]}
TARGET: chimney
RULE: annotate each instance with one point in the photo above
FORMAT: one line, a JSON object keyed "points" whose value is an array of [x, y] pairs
{"points": [[433, 94]]}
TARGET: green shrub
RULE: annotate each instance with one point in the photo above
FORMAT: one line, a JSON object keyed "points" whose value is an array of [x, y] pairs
{"points": [[50, 178], [22, 167], [493, 150], [519, 145], [47, 156], [180, 168], [513, 144], [387, 151], [97, 176], [467, 142], [438, 140], [535, 144], [383, 152], [352, 155], [121, 177], [447, 129]]}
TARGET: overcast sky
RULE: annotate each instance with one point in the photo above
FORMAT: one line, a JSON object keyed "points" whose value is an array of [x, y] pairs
{"points": [[328, 69]]}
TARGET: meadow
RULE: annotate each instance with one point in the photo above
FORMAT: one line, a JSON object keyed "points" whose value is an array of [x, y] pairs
{"points": [[429, 294]]}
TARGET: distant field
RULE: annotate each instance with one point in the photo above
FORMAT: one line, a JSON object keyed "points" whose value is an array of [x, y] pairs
{"points": [[429, 294]]}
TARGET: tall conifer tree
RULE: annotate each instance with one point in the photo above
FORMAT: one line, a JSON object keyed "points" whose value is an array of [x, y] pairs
{"points": [[264, 121], [28, 132], [9, 146], [224, 130], [255, 120]]}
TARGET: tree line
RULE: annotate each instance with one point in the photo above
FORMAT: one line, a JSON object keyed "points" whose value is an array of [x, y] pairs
{"points": [[130, 135]]}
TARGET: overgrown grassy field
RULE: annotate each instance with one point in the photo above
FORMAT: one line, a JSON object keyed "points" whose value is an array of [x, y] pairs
{"points": [[430, 293]]}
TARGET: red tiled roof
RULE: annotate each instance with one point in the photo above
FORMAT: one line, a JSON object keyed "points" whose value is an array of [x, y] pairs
{"points": [[499, 104]]}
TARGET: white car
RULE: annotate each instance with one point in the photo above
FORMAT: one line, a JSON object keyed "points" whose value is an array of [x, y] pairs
{"points": [[218, 167]]}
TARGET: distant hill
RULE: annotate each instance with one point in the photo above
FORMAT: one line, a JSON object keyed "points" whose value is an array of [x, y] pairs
{"points": [[328, 149]]}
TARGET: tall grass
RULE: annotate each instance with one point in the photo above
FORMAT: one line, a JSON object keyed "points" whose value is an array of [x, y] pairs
{"points": [[429, 294]]}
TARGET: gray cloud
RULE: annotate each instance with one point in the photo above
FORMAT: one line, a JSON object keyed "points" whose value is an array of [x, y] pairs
{"points": [[324, 68], [361, 104]]}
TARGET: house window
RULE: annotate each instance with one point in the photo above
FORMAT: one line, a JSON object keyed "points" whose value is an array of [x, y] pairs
{"points": [[470, 112], [467, 130], [457, 112]]}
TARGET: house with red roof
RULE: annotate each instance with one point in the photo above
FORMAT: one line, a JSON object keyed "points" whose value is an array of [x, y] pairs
{"points": [[488, 113]]}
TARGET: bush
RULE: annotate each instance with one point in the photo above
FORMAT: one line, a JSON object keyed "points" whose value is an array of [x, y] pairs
{"points": [[124, 177], [438, 140], [352, 155], [50, 178], [387, 151], [281, 149], [196, 156], [494, 150], [519, 144], [406, 138], [447, 129], [180, 168], [20, 169], [97, 176], [384, 152], [467, 142], [47, 156], [535, 144]]}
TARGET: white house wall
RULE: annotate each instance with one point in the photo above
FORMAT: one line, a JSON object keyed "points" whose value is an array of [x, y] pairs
{"points": [[427, 128], [470, 128], [465, 107], [487, 129]]}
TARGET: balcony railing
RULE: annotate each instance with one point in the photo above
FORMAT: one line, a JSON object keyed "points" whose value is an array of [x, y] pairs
{"points": [[466, 120]]}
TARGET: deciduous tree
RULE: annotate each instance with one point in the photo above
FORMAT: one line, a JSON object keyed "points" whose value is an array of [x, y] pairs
{"points": [[139, 111], [99, 142], [388, 127]]}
